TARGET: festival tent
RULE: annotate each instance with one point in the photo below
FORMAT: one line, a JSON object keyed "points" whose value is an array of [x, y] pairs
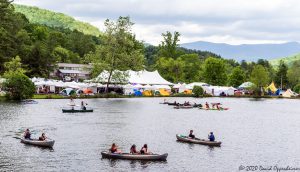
{"points": [[147, 93], [68, 91], [246, 85], [289, 93], [166, 87], [201, 84], [137, 92], [217, 90], [134, 77], [272, 88], [164, 92], [184, 88]]}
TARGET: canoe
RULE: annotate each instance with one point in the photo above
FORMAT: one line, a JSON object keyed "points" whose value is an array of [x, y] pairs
{"points": [[172, 104], [127, 156], [197, 105], [183, 107], [76, 110], [46, 143], [203, 108], [183, 138], [164, 103]]}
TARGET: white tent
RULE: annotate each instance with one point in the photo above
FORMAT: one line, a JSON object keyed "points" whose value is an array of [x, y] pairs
{"points": [[217, 90], [246, 85], [289, 93], [136, 77], [191, 85]]}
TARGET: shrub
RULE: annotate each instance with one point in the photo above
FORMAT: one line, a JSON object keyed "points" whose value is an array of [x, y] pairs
{"points": [[198, 91], [18, 86]]}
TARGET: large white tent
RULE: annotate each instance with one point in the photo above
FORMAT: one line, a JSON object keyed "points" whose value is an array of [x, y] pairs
{"points": [[135, 77]]}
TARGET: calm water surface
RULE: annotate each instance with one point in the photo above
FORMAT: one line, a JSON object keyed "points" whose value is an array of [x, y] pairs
{"points": [[263, 133]]}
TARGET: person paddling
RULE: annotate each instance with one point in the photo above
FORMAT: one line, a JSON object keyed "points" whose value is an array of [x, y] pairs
{"points": [[206, 105], [43, 137], [133, 149], [83, 105], [27, 134], [211, 137], [145, 150], [191, 135], [72, 103], [114, 149]]}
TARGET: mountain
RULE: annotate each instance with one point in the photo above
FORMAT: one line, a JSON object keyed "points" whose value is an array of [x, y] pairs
{"points": [[288, 60], [248, 52], [54, 19]]}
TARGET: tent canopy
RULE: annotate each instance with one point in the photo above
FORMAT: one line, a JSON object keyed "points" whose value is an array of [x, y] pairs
{"points": [[272, 87], [246, 85], [136, 77]]}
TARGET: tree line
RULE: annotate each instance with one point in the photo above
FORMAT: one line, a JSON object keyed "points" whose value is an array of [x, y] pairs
{"points": [[38, 48]]}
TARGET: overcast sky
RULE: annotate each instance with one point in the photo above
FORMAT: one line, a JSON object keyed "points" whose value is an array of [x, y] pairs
{"points": [[225, 21]]}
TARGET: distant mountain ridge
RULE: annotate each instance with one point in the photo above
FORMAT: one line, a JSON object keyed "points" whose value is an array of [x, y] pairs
{"points": [[54, 19], [248, 52]]}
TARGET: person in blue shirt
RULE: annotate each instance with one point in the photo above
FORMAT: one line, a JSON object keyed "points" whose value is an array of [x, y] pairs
{"points": [[211, 137]]}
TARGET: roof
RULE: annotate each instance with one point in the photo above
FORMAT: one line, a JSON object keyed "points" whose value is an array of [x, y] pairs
{"points": [[137, 77], [70, 71], [73, 65]]}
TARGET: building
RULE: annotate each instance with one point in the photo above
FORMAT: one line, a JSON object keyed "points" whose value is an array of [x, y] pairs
{"points": [[72, 72]]}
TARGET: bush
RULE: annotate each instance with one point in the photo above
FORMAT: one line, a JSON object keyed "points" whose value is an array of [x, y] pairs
{"points": [[198, 91], [297, 88], [18, 86]]}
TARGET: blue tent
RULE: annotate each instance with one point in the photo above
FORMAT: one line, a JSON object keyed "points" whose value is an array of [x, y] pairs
{"points": [[138, 93]]}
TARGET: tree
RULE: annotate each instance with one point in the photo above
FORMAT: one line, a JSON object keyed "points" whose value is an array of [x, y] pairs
{"points": [[198, 91], [237, 77], [119, 50], [215, 71], [169, 45], [259, 77], [191, 67], [281, 75], [293, 73], [18, 85], [170, 69]]}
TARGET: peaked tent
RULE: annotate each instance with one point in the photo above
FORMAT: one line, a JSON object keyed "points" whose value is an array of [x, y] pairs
{"points": [[135, 77], [272, 87], [289, 93]]}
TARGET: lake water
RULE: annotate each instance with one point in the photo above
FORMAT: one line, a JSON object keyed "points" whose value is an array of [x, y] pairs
{"points": [[253, 133]]}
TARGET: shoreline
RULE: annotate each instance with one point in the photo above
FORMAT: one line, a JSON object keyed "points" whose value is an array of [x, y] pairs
{"points": [[97, 96]]}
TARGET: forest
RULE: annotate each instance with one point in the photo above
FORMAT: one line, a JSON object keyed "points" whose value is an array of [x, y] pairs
{"points": [[41, 46]]}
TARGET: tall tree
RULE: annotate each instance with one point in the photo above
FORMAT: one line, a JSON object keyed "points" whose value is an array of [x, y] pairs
{"points": [[281, 75], [259, 76], [169, 45], [214, 71], [120, 49], [237, 77], [191, 67]]}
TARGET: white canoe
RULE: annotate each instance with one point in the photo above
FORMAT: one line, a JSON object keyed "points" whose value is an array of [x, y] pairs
{"points": [[183, 138], [45, 143]]}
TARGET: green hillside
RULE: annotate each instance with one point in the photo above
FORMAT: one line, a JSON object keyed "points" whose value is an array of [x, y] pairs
{"points": [[53, 19], [288, 60]]}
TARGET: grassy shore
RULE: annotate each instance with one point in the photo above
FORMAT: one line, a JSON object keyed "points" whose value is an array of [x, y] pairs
{"points": [[57, 96]]}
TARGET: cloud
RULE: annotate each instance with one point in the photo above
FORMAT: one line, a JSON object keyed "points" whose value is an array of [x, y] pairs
{"points": [[229, 21]]}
